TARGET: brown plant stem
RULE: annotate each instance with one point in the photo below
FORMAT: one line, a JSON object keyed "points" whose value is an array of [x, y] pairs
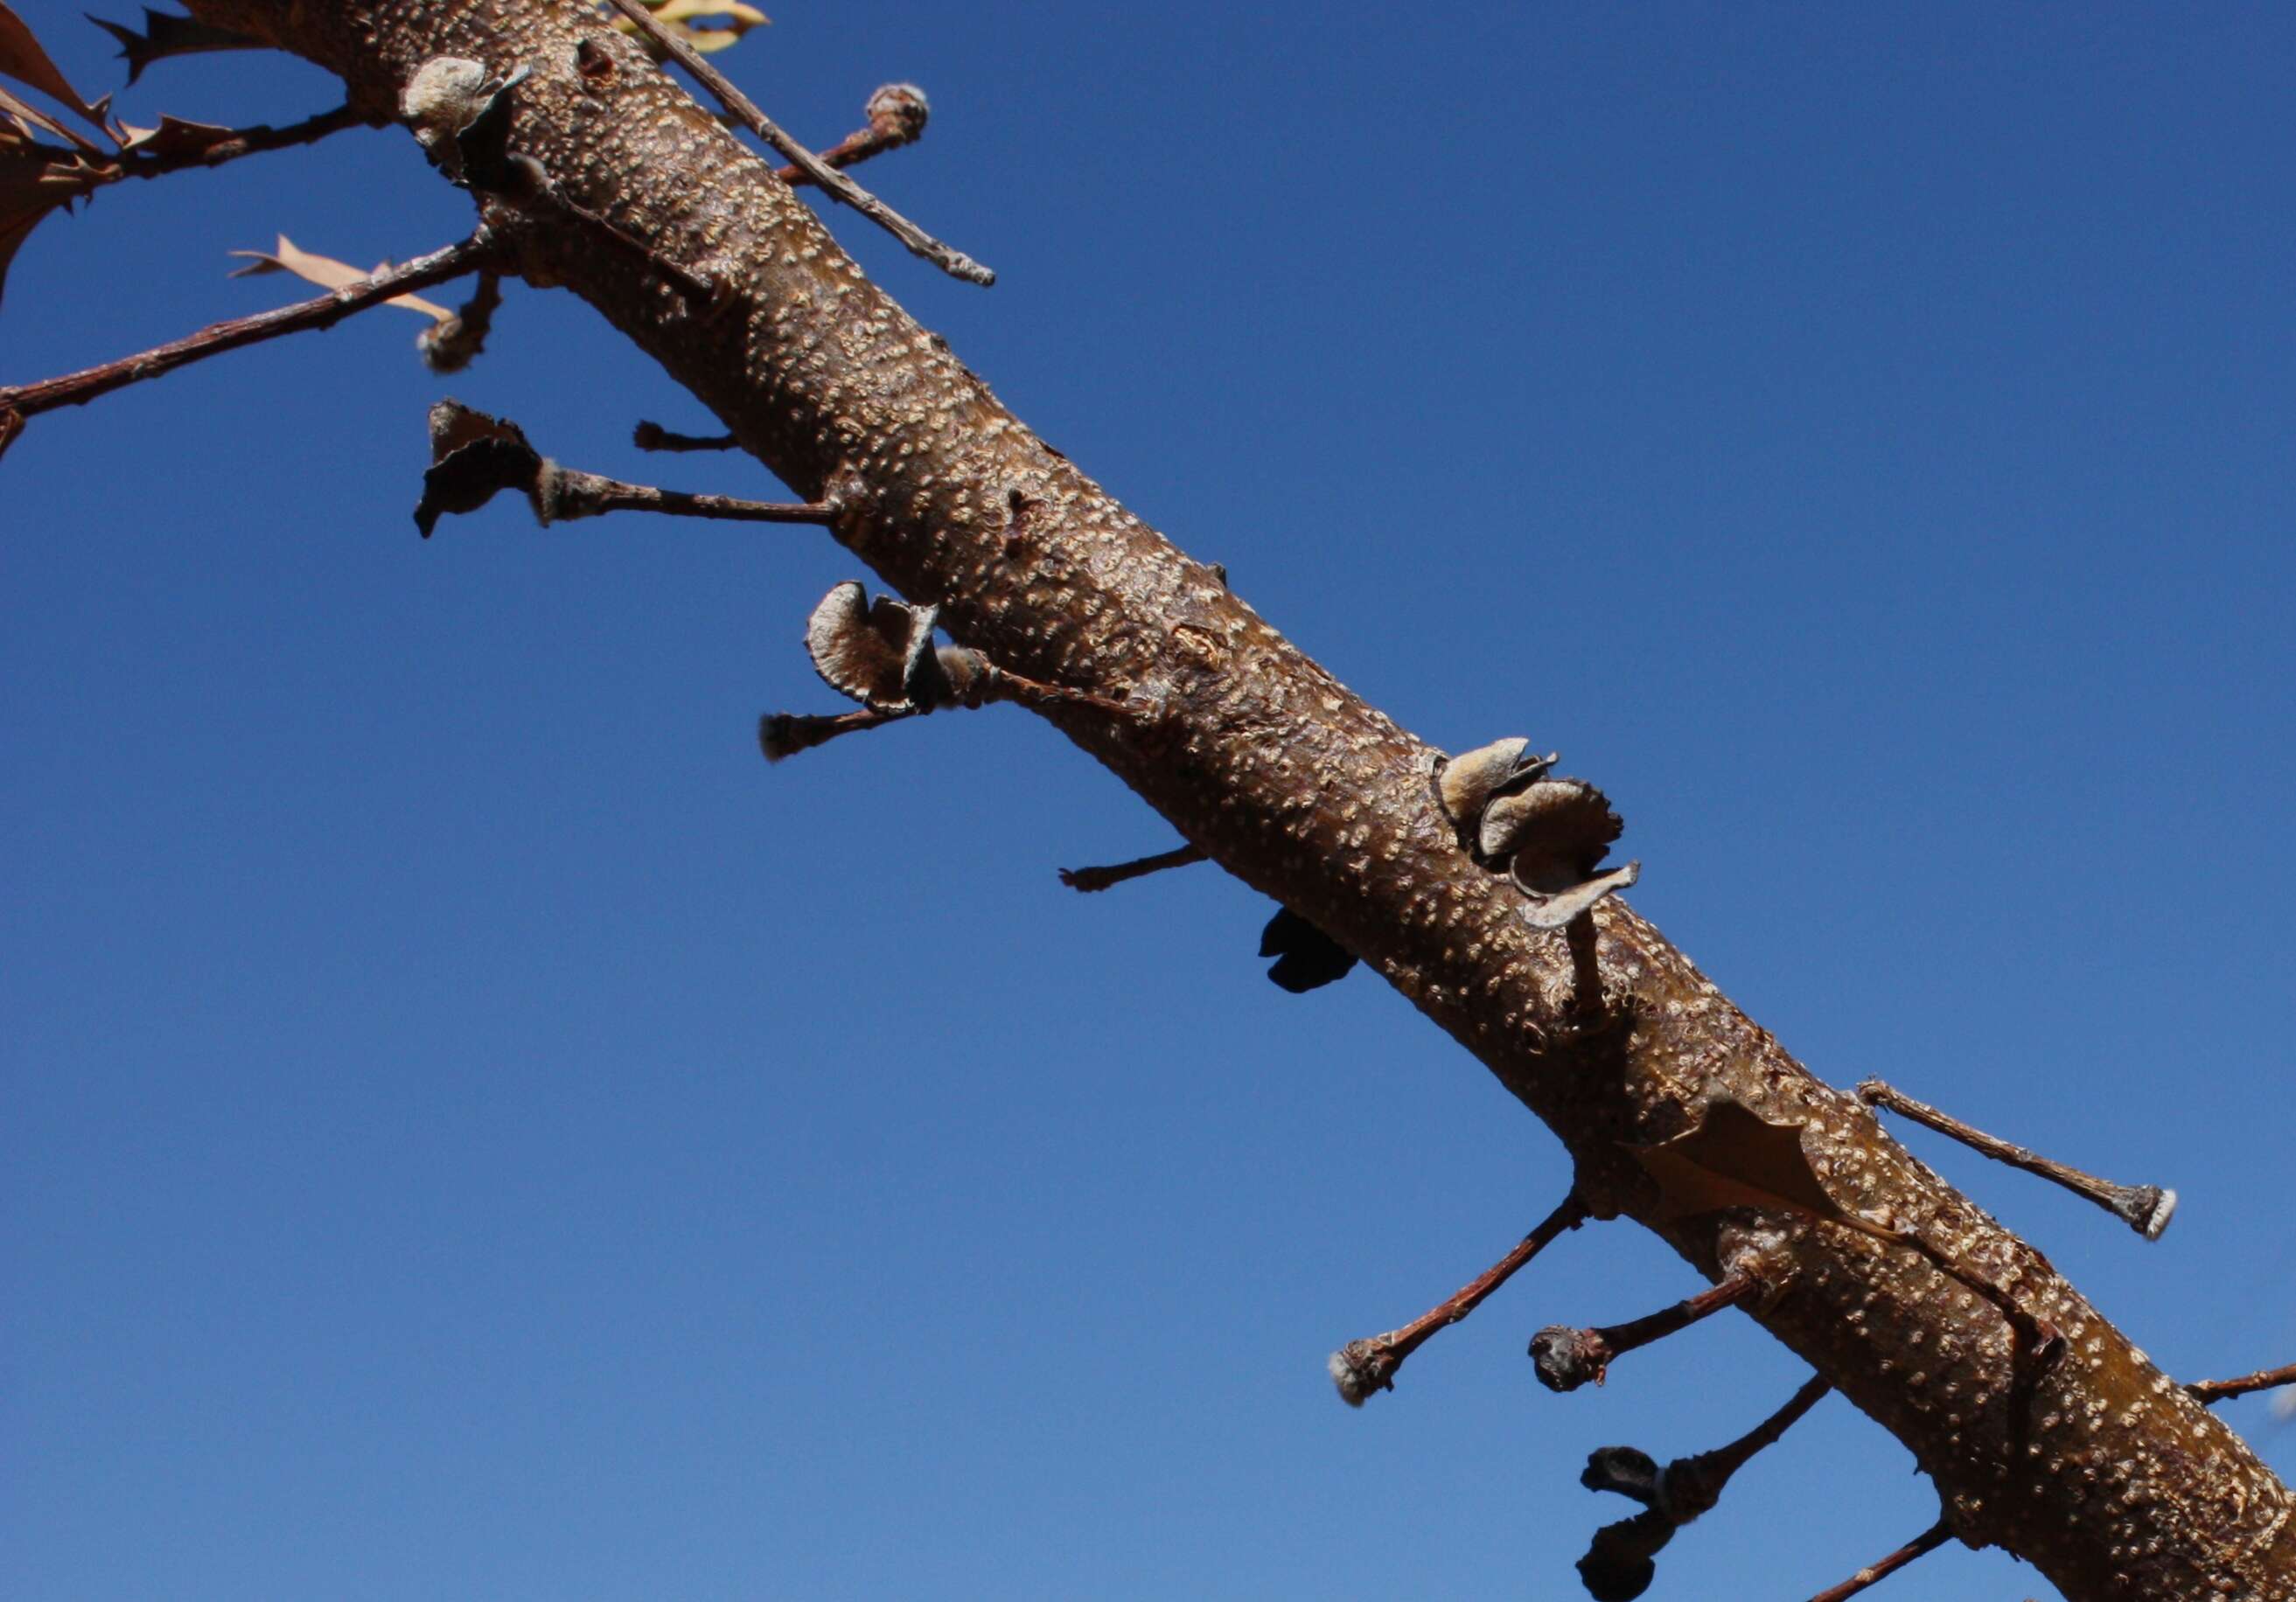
{"points": [[2213, 1390], [2143, 1208], [244, 142], [1694, 1483], [587, 494], [79, 389], [1568, 1357], [956, 262], [1089, 879], [1927, 1540], [1363, 1368]]}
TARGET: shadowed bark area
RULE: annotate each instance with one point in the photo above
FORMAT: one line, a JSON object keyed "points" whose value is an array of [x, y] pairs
{"points": [[2100, 1470]]}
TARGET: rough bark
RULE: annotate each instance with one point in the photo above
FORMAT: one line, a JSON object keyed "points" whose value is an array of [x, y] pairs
{"points": [[2103, 1472]]}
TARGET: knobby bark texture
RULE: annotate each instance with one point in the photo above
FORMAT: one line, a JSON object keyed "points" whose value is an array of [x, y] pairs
{"points": [[2100, 1470]]}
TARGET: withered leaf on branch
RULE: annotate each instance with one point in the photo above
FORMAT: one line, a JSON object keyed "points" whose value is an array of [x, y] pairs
{"points": [[1733, 1158], [881, 656], [328, 274], [164, 36], [22, 58], [37, 179], [175, 137], [473, 458]]}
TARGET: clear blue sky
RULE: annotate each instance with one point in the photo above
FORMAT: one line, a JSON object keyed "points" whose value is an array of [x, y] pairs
{"points": [[472, 1130]]}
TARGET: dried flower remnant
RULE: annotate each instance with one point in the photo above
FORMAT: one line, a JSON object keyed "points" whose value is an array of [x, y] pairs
{"points": [[882, 655], [1548, 835]]}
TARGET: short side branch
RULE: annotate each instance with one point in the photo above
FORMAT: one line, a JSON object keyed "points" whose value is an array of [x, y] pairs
{"points": [[2213, 1390], [1927, 1540], [956, 263], [77, 388]]}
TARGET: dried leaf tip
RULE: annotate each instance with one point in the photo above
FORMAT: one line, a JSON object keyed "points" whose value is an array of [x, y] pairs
{"points": [[1548, 834], [166, 35]]}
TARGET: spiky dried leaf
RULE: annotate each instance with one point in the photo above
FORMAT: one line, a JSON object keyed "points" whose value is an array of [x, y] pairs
{"points": [[328, 274], [175, 137], [881, 656], [473, 458], [36, 180], [22, 58], [164, 36]]}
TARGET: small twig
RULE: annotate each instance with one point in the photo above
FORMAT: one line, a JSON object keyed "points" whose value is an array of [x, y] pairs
{"points": [[956, 262], [1621, 1561], [2213, 1390], [784, 734], [587, 494], [2143, 1208], [1927, 1540], [244, 142], [77, 388], [653, 437], [896, 114], [1694, 1483], [1568, 1358], [1089, 879], [1362, 1368]]}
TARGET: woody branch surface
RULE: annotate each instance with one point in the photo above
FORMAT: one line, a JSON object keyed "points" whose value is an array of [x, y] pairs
{"points": [[2124, 1486]]}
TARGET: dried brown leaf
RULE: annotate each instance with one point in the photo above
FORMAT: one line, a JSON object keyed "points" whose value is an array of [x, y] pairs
{"points": [[1567, 820], [881, 655], [1733, 1158], [22, 58], [473, 458], [36, 180], [328, 274], [164, 36], [175, 137]]}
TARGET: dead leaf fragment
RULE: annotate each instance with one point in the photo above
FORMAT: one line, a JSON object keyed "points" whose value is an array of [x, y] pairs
{"points": [[881, 656], [37, 179], [473, 458], [176, 137], [22, 58], [328, 274], [1306, 957], [1733, 1158]]}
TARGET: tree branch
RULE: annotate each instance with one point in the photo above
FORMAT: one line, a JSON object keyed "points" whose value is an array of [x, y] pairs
{"points": [[79, 389], [2127, 1487]]}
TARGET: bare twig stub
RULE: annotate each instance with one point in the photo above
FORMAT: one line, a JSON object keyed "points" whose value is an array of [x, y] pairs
{"points": [[2143, 1208], [77, 388], [653, 437], [896, 113], [1361, 1369], [1568, 1358], [2264, 1379], [1089, 879], [956, 262], [1927, 1540]]}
